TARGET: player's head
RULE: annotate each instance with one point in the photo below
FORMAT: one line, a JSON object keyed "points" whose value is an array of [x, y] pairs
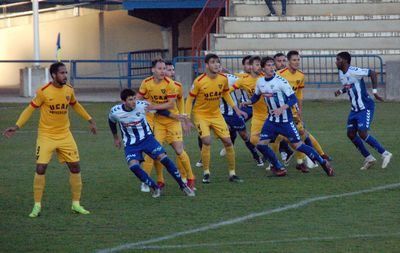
{"points": [[293, 59], [158, 68], [343, 59], [246, 64], [280, 61], [128, 97], [268, 66], [255, 63], [213, 63], [59, 73], [170, 69]]}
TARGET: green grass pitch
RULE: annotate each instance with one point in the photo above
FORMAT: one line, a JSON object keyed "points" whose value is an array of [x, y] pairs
{"points": [[121, 214]]}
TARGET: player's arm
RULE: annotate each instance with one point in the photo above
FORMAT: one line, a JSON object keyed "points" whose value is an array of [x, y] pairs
{"points": [[299, 95], [112, 123], [340, 91], [291, 99], [79, 109], [256, 96], [374, 79]]}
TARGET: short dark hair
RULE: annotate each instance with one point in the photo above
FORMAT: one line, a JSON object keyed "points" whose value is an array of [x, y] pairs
{"points": [[125, 93], [155, 61], [169, 63], [291, 53], [265, 59], [244, 59], [278, 55], [345, 56], [254, 58], [209, 57], [54, 67]]}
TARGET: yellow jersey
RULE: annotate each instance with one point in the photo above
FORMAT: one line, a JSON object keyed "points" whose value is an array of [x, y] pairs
{"points": [[207, 93], [159, 93], [54, 103], [296, 80], [248, 84], [180, 100]]}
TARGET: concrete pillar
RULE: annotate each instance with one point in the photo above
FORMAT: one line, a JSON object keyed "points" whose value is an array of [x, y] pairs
{"points": [[184, 74], [31, 79], [393, 80]]}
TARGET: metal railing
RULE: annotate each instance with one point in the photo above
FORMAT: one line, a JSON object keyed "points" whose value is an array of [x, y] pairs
{"points": [[320, 70], [204, 22]]}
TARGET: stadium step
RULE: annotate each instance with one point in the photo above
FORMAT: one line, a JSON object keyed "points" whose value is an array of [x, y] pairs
{"points": [[350, 40], [317, 7], [262, 24]]}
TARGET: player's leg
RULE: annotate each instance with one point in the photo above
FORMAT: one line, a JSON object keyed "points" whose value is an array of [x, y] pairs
{"points": [[253, 150], [268, 134], [134, 157], [203, 128], [44, 151], [221, 130], [290, 131], [161, 134], [199, 164], [183, 159], [301, 157]]}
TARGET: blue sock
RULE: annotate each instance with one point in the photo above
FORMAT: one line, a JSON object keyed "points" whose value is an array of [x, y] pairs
{"points": [[308, 142], [375, 144], [173, 171], [252, 149], [269, 155], [233, 135], [311, 153], [360, 146], [142, 175], [284, 147]]}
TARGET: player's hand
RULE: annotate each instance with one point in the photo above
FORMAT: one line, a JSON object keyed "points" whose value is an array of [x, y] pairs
{"points": [[242, 104], [10, 131], [92, 126], [377, 97], [241, 113], [117, 143], [338, 93], [183, 117], [278, 111]]}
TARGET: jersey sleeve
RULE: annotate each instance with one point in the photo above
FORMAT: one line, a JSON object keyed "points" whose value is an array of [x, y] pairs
{"points": [[226, 85], [143, 88], [73, 100], [286, 88], [360, 73], [257, 89], [299, 91], [111, 115], [38, 100], [194, 90], [171, 90], [237, 84]]}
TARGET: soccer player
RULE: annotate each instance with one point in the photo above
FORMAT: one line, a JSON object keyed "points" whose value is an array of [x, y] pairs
{"points": [[236, 123], [138, 138], [206, 92], [54, 134], [296, 80], [161, 90], [279, 96], [280, 61], [362, 108]]}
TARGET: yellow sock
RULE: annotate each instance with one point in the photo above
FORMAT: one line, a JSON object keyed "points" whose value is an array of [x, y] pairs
{"points": [[159, 170], [230, 156], [184, 160], [316, 145], [205, 157], [39, 181], [75, 181], [275, 147], [181, 169], [148, 164]]}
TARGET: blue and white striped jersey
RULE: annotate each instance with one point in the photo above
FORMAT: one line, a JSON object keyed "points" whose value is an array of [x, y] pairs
{"points": [[355, 86], [275, 91], [224, 107], [133, 125]]}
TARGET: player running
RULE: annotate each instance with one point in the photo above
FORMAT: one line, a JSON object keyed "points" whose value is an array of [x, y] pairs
{"points": [[362, 108], [138, 138]]}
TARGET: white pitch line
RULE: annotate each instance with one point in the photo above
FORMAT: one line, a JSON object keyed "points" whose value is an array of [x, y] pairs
{"points": [[246, 217], [300, 239]]}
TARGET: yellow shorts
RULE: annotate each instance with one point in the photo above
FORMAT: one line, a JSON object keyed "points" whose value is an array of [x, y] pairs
{"points": [[150, 119], [167, 131], [256, 126], [66, 149], [218, 124]]}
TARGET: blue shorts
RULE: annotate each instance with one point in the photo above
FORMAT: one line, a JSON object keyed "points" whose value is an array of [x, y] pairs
{"points": [[272, 129], [360, 120], [235, 122], [150, 146], [248, 110]]}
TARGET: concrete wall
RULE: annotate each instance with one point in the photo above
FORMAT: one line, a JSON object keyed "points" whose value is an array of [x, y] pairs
{"points": [[91, 35]]}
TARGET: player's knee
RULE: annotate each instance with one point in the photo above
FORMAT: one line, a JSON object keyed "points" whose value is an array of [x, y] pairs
{"points": [[227, 142], [244, 135], [351, 135], [206, 141], [297, 144], [74, 167], [363, 134], [41, 169], [161, 156]]}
